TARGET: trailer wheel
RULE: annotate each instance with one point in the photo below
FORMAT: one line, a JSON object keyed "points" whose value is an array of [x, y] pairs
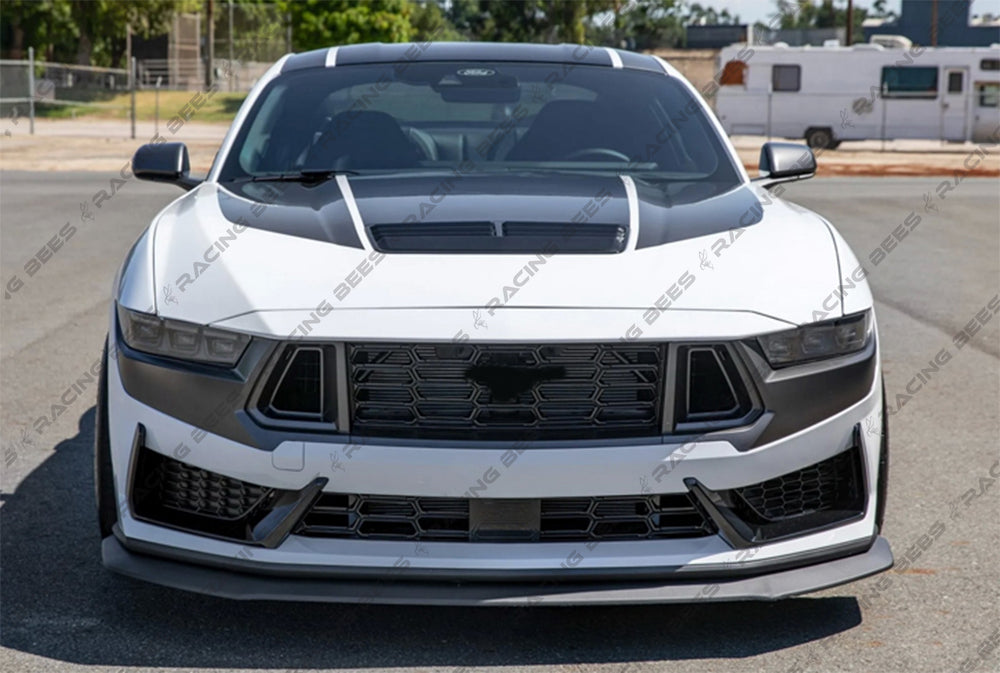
{"points": [[820, 137]]}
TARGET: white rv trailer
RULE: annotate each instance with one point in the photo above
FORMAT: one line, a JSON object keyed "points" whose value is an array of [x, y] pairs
{"points": [[830, 94]]}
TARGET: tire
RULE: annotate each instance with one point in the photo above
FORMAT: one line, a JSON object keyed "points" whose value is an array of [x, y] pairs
{"points": [[820, 137], [882, 485], [104, 480]]}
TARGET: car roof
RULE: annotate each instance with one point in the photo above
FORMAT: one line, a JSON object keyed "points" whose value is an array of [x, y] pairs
{"points": [[377, 52]]}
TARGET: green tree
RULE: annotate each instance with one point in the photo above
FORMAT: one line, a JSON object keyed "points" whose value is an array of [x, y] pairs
{"points": [[324, 23], [83, 31], [46, 26], [642, 24], [429, 22], [822, 14]]}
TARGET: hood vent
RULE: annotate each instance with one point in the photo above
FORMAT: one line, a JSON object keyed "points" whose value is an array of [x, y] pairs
{"points": [[500, 237]]}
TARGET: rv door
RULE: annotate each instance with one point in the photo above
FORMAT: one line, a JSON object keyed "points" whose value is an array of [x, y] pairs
{"points": [[955, 105]]}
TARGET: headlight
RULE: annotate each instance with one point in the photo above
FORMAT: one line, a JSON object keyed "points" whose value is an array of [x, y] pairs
{"points": [[181, 340], [817, 341]]}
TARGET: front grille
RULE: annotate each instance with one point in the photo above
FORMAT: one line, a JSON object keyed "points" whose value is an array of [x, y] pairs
{"points": [[168, 491], [499, 391], [502, 237], [448, 519], [831, 485]]}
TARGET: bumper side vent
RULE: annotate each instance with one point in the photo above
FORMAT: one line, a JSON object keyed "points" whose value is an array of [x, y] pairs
{"points": [[172, 493], [832, 485], [825, 494], [711, 393]]}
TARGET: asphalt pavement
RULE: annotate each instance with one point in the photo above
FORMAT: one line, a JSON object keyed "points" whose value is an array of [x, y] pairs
{"points": [[60, 610]]}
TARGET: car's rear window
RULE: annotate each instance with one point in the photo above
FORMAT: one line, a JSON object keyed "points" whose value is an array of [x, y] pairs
{"points": [[493, 116]]}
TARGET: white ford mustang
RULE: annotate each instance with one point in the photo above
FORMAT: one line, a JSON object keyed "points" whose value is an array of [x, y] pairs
{"points": [[488, 324]]}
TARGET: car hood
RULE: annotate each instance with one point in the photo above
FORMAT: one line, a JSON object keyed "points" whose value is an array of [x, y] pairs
{"points": [[225, 252]]}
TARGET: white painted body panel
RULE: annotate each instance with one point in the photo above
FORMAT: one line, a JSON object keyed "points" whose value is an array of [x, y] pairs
{"points": [[782, 267]]}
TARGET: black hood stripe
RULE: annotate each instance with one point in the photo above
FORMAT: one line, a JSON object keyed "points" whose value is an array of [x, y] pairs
{"points": [[317, 213], [322, 213]]}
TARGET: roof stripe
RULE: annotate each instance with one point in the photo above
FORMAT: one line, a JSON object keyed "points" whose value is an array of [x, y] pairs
{"points": [[616, 60], [331, 57]]}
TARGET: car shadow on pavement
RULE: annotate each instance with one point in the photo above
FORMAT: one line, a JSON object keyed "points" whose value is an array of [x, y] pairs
{"points": [[60, 603]]}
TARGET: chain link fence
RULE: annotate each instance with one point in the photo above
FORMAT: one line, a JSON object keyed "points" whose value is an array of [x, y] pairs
{"points": [[30, 88]]}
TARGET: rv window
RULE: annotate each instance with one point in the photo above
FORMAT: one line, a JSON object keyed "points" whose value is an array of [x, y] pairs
{"points": [[785, 77], [989, 95], [954, 82], [990, 64], [734, 72], [898, 82]]}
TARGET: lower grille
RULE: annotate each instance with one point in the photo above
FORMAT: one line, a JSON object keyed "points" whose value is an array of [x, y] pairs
{"points": [[484, 391], [448, 519], [168, 491], [834, 484]]}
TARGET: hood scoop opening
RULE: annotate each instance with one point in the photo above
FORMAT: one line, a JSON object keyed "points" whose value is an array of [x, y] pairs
{"points": [[499, 237]]}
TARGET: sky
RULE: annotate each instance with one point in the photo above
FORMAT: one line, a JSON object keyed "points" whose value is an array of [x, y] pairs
{"points": [[751, 11]]}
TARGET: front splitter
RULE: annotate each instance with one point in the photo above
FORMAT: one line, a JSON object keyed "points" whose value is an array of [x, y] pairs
{"points": [[392, 590]]}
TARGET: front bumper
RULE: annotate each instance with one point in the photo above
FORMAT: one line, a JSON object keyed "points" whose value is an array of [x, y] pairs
{"points": [[240, 580], [350, 570]]}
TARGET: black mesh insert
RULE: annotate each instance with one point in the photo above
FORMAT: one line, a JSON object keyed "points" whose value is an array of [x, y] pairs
{"points": [[168, 491], [562, 519], [299, 390], [508, 237], [831, 485], [490, 391]]}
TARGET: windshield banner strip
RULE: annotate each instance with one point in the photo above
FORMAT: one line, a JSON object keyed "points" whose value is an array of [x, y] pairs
{"points": [[616, 60], [331, 57]]}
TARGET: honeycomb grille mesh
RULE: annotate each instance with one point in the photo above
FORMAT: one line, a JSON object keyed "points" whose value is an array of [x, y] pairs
{"points": [[493, 391], [562, 519], [181, 487], [829, 485]]}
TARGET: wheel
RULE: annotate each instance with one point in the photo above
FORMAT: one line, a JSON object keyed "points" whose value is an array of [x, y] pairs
{"points": [[820, 138], [104, 482], [882, 486]]}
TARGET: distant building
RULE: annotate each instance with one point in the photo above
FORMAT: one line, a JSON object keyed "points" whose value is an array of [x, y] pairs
{"points": [[799, 37], [954, 27], [714, 36]]}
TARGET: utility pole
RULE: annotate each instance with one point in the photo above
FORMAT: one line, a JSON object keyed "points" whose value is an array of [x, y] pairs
{"points": [[850, 22], [934, 23], [231, 45], [31, 90], [209, 42]]}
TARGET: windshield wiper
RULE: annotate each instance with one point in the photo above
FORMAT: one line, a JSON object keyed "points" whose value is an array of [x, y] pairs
{"points": [[308, 176]]}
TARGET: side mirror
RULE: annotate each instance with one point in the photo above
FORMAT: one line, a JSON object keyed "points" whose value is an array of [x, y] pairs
{"points": [[784, 162], [165, 162]]}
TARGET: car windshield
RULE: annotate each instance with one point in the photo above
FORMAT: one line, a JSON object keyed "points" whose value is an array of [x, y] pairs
{"points": [[503, 117]]}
